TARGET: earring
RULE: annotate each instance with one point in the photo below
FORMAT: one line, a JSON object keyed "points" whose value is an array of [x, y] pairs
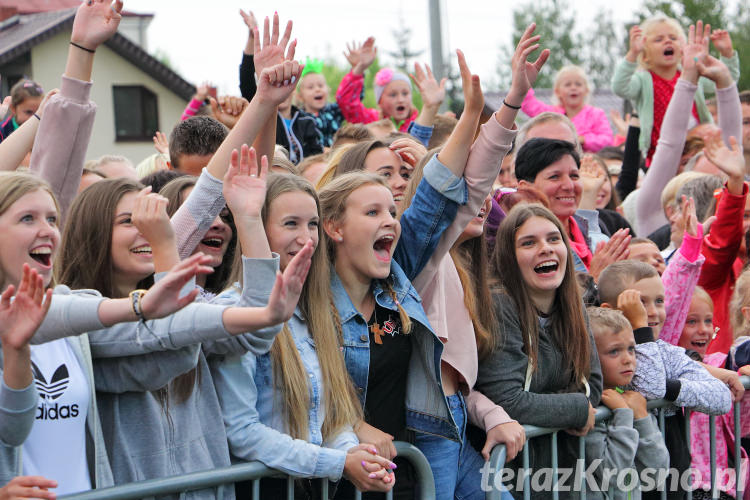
{"points": [[340, 239]]}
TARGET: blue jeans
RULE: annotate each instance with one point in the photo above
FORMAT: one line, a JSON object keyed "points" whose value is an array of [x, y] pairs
{"points": [[456, 466]]}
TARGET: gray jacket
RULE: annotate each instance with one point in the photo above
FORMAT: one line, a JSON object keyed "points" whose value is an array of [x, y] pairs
{"points": [[550, 400], [621, 444]]}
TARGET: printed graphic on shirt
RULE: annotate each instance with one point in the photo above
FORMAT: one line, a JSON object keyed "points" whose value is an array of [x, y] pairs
{"points": [[389, 328], [52, 390]]}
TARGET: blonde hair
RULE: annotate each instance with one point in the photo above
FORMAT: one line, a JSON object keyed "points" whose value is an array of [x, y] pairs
{"points": [[334, 158], [151, 164], [740, 299], [648, 25], [577, 71], [342, 408], [605, 320], [14, 186], [333, 198], [669, 193]]}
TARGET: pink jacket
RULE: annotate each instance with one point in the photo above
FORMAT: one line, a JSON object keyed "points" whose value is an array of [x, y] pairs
{"points": [[590, 122], [347, 97], [700, 445], [440, 287], [680, 279], [62, 140]]}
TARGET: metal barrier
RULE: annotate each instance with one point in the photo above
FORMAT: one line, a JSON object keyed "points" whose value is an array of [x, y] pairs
{"points": [[251, 471], [498, 455]]}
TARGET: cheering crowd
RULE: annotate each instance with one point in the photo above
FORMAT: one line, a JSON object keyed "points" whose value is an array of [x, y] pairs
{"points": [[302, 282]]}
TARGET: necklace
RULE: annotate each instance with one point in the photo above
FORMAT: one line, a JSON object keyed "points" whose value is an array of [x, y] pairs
{"points": [[375, 329]]}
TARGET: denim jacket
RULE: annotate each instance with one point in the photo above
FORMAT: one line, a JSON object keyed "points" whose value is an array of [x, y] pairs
{"points": [[431, 212], [256, 430]]}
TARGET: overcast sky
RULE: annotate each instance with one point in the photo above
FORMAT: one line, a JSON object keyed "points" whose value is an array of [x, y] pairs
{"points": [[204, 40]]}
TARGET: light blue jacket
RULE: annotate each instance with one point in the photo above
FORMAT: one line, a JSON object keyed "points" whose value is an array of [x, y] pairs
{"points": [[432, 210], [251, 404]]}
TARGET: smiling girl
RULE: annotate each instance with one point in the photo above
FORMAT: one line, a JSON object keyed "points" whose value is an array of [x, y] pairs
{"points": [[572, 91], [547, 371]]}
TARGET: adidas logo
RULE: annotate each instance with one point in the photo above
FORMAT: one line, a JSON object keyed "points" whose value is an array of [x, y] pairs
{"points": [[49, 391], [57, 384]]}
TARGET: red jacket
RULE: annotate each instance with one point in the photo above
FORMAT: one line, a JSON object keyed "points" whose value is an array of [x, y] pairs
{"points": [[722, 266], [348, 99]]}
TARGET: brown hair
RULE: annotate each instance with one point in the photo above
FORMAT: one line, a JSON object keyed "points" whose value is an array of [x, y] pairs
{"points": [[568, 324], [604, 320], [24, 89], [619, 276], [333, 198], [351, 133]]}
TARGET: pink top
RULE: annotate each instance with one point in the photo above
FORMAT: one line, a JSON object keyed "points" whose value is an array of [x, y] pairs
{"points": [[347, 97], [440, 287], [680, 278], [590, 122], [191, 109], [701, 446]]}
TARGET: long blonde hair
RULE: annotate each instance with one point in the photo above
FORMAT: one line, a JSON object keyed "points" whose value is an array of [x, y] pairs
{"points": [[341, 406], [333, 199], [14, 186]]}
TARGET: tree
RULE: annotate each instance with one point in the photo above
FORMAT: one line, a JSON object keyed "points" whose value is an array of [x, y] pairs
{"points": [[403, 55], [740, 30], [687, 12], [555, 21], [600, 46]]}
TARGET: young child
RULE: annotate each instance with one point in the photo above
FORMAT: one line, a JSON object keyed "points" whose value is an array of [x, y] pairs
{"points": [[631, 438], [312, 93], [26, 97], [664, 371], [571, 93], [656, 47], [698, 332], [392, 91], [645, 250], [297, 132]]}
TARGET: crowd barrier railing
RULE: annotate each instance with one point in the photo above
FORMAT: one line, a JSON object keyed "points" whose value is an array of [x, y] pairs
{"points": [[498, 455], [250, 471]]}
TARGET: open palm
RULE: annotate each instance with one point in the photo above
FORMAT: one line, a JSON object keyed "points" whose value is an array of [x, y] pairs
{"points": [[244, 187], [19, 318], [95, 22]]}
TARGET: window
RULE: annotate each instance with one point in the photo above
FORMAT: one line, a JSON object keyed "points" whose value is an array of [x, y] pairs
{"points": [[136, 113]]}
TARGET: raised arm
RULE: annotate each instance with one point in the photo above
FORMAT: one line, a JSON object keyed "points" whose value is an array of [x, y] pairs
{"points": [[348, 94], [16, 146], [62, 139], [624, 82], [666, 159]]}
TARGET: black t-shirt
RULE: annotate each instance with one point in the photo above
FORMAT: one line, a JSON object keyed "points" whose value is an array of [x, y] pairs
{"points": [[390, 350]]}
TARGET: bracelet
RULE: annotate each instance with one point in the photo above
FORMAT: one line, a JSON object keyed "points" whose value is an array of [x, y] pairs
{"points": [[136, 296], [82, 47], [510, 106], [37, 117]]}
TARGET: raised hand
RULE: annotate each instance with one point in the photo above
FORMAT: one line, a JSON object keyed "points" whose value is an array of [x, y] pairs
{"points": [[20, 318], [202, 91], [352, 52], [250, 21], [629, 302], [5, 106], [228, 109], [525, 72], [364, 55], [150, 217], [245, 184], [715, 70], [593, 179], [44, 102], [272, 51], [278, 82], [688, 220], [611, 251], [288, 286], [723, 42], [161, 144], [473, 96], [163, 298], [409, 150], [636, 43], [695, 51], [95, 22], [730, 161], [433, 93]]}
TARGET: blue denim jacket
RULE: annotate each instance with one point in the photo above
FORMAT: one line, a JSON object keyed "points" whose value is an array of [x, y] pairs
{"points": [[251, 406], [431, 211]]}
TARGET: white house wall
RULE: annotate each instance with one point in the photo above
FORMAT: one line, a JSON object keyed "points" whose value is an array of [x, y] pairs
{"points": [[48, 64]]}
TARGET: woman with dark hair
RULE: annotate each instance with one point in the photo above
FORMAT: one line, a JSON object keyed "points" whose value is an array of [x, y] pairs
{"points": [[544, 369]]}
